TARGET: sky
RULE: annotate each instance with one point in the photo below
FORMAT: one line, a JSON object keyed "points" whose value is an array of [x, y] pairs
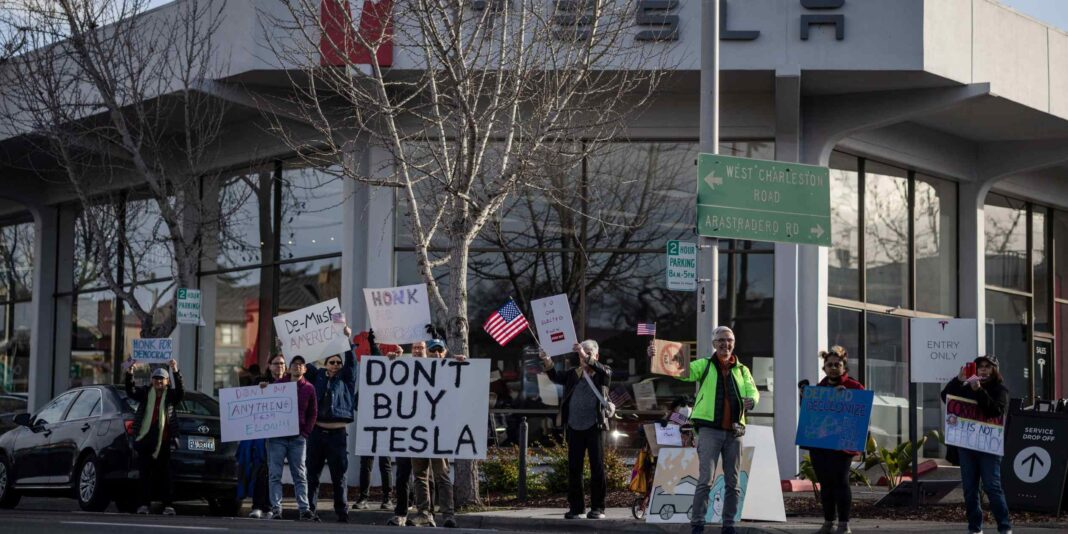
{"points": [[1052, 12]]}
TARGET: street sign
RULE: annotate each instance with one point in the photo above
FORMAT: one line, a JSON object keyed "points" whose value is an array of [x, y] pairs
{"points": [[681, 266], [188, 306], [940, 347], [1036, 460], [744, 198]]}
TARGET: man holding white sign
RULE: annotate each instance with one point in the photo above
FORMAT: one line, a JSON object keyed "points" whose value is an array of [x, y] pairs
{"points": [[428, 409]]}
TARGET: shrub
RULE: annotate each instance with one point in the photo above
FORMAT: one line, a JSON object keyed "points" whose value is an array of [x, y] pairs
{"points": [[500, 472]]}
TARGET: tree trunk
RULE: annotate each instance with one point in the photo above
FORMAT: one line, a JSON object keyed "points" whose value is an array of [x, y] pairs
{"points": [[465, 482]]}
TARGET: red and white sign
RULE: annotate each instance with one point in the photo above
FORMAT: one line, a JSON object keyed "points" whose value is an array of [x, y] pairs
{"points": [[556, 329]]}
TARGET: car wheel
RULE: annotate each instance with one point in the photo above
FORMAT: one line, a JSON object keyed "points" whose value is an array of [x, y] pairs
{"points": [[89, 486], [666, 512], [9, 498], [225, 506]]}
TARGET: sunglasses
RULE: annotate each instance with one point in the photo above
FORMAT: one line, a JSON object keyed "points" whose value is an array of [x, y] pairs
{"points": [[334, 362]]}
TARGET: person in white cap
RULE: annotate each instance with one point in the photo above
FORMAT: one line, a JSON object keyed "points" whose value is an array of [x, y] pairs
{"points": [[154, 427]]}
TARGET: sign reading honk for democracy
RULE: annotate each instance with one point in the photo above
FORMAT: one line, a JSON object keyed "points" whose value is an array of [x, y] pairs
{"points": [[398, 314]]}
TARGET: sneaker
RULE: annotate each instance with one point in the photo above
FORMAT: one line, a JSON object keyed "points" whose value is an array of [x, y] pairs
{"points": [[168, 510], [571, 514], [843, 528], [697, 529], [308, 515], [423, 521], [449, 523], [386, 505], [397, 521], [343, 518], [827, 528], [142, 509], [360, 504], [595, 514], [275, 514], [256, 514]]}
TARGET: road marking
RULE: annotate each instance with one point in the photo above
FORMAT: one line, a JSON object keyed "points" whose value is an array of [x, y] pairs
{"points": [[139, 525]]}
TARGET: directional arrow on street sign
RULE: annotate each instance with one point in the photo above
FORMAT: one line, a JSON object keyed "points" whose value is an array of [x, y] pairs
{"points": [[1031, 464], [760, 200]]}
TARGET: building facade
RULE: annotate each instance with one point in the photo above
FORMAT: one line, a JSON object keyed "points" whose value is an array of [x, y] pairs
{"points": [[944, 123]]}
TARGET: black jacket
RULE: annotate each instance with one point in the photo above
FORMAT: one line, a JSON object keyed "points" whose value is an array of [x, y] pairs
{"points": [[992, 398], [140, 394], [602, 377]]}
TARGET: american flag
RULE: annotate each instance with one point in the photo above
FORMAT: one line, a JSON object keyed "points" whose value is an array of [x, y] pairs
{"points": [[646, 329], [505, 323], [619, 396], [678, 419]]}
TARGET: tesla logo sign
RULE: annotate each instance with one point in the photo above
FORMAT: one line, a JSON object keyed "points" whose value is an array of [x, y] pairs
{"points": [[807, 21], [342, 44]]}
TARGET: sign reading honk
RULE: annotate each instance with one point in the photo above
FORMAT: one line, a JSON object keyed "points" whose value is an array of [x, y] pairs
{"points": [[398, 314]]}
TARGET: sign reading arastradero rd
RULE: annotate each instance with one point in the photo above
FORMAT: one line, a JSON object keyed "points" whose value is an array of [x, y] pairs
{"points": [[743, 198]]}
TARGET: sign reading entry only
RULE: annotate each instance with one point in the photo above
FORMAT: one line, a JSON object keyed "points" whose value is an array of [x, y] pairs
{"points": [[681, 266], [743, 198]]}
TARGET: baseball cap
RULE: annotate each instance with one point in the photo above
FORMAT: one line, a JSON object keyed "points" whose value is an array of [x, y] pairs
{"points": [[435, 343], [989, 358], [160, 373], [295, 358]]}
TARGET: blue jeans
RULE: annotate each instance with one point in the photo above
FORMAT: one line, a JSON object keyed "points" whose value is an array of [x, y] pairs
{"points": [[712, 444], [976, 466], [329, 447], [289, 448]]}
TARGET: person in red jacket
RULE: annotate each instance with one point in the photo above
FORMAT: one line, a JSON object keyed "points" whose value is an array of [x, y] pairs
{"points": [[831, 466], [293, 448]]}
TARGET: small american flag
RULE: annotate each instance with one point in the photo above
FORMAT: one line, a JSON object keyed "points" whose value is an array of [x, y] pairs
{"points": [[646, 329], [505, 323], [619, 396], [678, 419]]}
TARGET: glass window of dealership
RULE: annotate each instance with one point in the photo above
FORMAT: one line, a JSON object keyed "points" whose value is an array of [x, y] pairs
{"points": [[894, 257]]}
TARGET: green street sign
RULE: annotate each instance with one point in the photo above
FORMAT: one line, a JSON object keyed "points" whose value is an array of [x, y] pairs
{"points": [[681, 266], [742, 198]]}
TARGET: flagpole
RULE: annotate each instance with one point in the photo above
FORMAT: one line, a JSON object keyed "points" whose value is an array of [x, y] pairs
{"points": [[512, 300]]}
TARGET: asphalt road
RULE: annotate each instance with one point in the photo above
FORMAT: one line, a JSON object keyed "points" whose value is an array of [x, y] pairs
{"points": [[70, 522]]}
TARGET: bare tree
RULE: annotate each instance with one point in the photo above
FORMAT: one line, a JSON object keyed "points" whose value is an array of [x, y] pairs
{"points": [[484, 100], [112, 93]]}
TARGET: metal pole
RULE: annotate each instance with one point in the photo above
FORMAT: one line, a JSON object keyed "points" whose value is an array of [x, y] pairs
{"points": [[708, 247], [521, 493]]}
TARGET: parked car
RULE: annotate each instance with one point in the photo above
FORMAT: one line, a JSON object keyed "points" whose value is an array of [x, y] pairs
{"points": [[11, 404], [81, 445]]}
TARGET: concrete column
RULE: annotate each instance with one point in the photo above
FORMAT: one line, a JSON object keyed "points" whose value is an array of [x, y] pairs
{"points": [[205, 360], [971, 282], [43, 308]]}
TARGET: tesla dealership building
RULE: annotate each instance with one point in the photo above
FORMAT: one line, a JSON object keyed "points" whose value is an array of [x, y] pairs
{"points": [[944, 123]]}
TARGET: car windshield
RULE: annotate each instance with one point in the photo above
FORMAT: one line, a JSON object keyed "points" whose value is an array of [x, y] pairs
{"points": [[192, 404]]}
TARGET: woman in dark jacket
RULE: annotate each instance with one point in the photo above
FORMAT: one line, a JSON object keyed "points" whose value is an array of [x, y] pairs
{"points": [[988, 390], [154, 427], [832, 466]]}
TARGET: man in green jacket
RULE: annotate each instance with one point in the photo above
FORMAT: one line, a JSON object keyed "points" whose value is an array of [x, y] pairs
{"points": [[725, 391]]}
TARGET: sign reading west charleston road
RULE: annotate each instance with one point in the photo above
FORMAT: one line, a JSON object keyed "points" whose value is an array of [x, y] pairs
{"points": [[743, 198]]}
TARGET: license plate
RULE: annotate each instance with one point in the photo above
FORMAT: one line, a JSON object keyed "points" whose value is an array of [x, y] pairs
{"points": [[201, 444]]}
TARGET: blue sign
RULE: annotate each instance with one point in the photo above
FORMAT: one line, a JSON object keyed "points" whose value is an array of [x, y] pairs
{"points": [[835, 419]]}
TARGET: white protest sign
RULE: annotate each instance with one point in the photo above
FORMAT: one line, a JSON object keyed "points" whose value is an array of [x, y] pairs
{"points": [[187, 306], [422, 408], [311, 332], [398, 314], [940, 347], [556, 330], [645, 395], [668, 435], [253, 412], [153, 350]]}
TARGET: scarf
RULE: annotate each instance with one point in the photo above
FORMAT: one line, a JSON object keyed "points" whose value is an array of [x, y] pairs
{"points": [[146, 420]]}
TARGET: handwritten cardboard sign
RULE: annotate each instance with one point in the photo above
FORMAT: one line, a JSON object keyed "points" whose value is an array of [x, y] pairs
{"points": [[835, 419], [966, 427], [311, 332], [398, 314], [153, 350], [253, 412], [940, 347], [423, 408], [556, 329], [669, 357]]}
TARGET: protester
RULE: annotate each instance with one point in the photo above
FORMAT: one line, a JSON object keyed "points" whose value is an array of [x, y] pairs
{"points": [[252, 453], [987, 389], [718, 418], [292, 448], [832, 466], [438, 468], [335, 398], [404, 464], [385, 463], [154, 429], [584, 418]]}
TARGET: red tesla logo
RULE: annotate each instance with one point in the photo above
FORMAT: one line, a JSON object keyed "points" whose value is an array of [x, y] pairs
{"points": [[340, 43]]}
